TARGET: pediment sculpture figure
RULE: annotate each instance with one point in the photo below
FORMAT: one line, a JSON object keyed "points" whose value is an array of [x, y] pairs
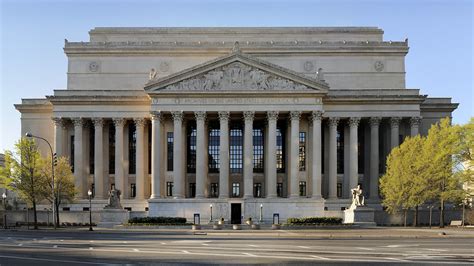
{"points": [[152, 74], [114, 200], [358, 198], [320, 74]]}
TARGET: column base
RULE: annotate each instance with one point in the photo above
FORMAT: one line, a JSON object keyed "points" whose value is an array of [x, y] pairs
{"points": [[155, 197], [318, 197]]}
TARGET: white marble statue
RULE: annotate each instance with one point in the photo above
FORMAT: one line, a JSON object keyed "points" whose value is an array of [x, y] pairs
{"points": [[152, 74], [357, 197], [114, 200], [320, 74]]}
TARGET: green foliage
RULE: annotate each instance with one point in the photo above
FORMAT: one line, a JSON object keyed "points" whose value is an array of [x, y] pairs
{"points": [[158, 220], [314, 221], [63, 180]]}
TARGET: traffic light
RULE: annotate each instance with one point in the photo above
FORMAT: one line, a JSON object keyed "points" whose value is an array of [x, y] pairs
{"points": [[55, 159]]}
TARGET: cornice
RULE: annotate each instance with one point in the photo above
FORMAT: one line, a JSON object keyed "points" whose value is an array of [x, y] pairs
{"points": [[374, 96], [34, 106]]}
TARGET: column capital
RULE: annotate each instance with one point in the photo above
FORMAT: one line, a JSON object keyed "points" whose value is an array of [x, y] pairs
{"points": [[178, 115], [200, 115], [57, 121], [333, 121], [119, 121], [395, 121], [375, 121], [78, 121], [249, 115], [98, 122], [139, 121], [316, 116], [272, 115], [354, 121], [156, 115], [295, 115], [415, 121], [224, 116]]}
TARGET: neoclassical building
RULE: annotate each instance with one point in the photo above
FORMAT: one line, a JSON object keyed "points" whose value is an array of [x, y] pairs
{"points": [[242, 121]]}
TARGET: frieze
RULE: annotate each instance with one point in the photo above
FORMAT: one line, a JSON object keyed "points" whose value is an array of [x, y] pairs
{"points": [[236, 76], [224, 101]]}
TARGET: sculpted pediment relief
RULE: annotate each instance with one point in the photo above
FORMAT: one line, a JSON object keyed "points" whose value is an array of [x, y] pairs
{"points": [[235, 76]]}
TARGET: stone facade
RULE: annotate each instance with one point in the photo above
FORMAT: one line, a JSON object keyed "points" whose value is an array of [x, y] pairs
{"points": [[240, 119]]}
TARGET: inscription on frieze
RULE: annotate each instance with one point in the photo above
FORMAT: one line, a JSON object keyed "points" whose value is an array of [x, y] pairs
{"points": [[224, 101]]}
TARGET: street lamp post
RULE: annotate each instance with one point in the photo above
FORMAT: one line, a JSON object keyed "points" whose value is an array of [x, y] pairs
{"points": [[210, 206], [464, 202], [90, 209], [29, 135], [4, 197], [261, 213]]}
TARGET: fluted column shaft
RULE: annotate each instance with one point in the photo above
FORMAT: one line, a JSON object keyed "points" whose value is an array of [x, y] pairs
{"points": [[374, 157], [178, 171], [248, 154], [224, 155], [59, 136], [79, 175], [333, 121], [201, 152], [271, 169], [394, 131], [140, 159], [98, 158], [294, 153], [415, 126], [119, 153], [156, 151], [316, 162], [353, 153]]}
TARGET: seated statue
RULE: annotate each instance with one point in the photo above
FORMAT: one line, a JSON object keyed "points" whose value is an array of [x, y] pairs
{"points": [[357, 197], [114, 200]]}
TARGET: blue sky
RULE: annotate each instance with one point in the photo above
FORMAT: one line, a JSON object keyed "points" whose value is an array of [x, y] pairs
{"points": [[32, 62]]}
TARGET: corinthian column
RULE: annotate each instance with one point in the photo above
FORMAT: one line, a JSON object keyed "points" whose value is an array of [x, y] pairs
{"points": [[271, 169], [248, 154], [333, 121], [201, 152], [178, 174], [79, 176], [294, 153], [156, 151], [140, 158], [98, 157], [224, 155], [353, 153], [119, 152], [415, 125], [394, 131], [316, 117], [59, 126], [374, 157]]}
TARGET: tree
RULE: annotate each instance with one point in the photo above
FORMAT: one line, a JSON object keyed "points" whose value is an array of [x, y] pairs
{"points": [[64, 189], [22, 173], [403, 186], [465, 157]]}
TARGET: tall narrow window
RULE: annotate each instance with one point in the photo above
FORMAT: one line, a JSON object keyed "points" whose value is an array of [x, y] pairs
{"points": [[149, 149], [191, 154], [236, 153], [213, 148], [72, 154], [258, 150], [340, 149], [132, 148], [280, 190], [169, 189], [235, 189], [192, 190], [280, 155], [111, 149], [91, 150], [214, 190], [361, 150], [133, 190], [169, 149], [257, 190], [339, 190], [302, 151], [302, 188]]}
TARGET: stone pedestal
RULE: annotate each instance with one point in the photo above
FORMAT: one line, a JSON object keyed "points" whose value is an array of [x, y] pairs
{"points": [[111, 217], [360, 215]]}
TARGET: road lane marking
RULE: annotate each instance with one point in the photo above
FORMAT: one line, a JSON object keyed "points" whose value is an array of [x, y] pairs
{"points": [[434, 249], [92, 241], [364, 248], [91, 248], [319, 257], [204, 244], [20, 245], [185, 251], [163, 243], [303, 247], [255, 246], [125, 242], [396, 259], [136, 250], [401, 246], [250, 254], [55, 260], [55, 246]]}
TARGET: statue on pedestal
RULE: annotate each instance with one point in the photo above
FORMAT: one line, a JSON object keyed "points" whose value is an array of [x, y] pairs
{"points": [[114, 200], [357, 197]]}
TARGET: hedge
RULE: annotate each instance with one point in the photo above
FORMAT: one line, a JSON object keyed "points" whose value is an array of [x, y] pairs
{"points": [[314, 221], [158, 220]]}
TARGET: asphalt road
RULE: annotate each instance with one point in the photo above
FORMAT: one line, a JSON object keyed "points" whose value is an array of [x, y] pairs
{"points": [[186, 247]]}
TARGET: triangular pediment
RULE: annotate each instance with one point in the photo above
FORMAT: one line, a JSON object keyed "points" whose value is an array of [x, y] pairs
{"points": [[236, 72]]}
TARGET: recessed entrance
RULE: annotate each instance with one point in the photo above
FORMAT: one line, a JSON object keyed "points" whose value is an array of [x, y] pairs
{"points": [[235, 213]]}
